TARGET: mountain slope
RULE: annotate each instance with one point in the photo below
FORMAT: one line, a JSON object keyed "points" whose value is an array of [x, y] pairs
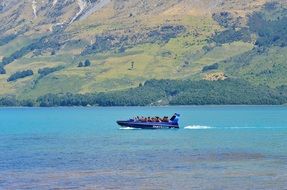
{"points": [[129, 42]]}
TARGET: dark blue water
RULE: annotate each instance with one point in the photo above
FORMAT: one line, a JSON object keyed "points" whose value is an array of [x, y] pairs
{"points": [[217, 147]]}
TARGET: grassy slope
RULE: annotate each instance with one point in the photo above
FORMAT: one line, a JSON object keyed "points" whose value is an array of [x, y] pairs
{"points": [[268, 68], [111, 71]]}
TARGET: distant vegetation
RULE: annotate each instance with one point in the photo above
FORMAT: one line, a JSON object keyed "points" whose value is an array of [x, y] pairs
{"points": [[226, 19], [86, 63], [46, 71], [121, 42], [38, 45], [266, 62], [9, 101], [6, 39], [269, 25], [19, 75], [164, 92], [270, 31], [210, 67], [2, 70], [232, 35]]}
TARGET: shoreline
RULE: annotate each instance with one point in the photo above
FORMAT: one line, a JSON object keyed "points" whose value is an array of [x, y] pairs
{"points": [[213, 105]]}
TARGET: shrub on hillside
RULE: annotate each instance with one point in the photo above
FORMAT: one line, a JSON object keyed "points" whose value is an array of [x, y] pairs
{"points": [[269, 31], [46, 71], [19, 75], [87, 63], [2, 70], [210, 67]]}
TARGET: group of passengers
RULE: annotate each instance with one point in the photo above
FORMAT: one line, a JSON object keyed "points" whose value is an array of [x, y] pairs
{"points": [[151, 119]]}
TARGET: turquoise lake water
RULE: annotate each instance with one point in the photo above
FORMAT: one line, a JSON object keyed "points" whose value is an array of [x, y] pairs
{"points": [[217, 147]]}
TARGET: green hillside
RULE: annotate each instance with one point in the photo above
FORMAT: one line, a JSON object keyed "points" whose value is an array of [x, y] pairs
{"points": [[130, 42]]}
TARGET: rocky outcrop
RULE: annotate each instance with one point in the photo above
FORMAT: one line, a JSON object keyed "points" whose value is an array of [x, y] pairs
{"points": [[16, 13]]}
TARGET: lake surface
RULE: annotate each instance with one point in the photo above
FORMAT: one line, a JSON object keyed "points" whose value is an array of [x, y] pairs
{"points": [[217, 147]]}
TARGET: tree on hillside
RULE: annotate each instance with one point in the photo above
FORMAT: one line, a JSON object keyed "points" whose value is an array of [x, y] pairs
{"points": [[53, 52], [80, 64], [87, 63], [2, 70]]}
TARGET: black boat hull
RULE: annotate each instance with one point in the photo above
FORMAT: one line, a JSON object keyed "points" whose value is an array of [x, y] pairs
{"points": [[148, 125]]}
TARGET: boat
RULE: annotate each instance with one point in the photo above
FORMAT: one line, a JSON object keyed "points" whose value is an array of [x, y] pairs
{"points": [[138, 123]]}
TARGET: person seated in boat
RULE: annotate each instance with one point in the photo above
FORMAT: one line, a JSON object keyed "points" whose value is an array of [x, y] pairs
{"points": [[157, 119], [142, 119], [148, 119], [165, 119]]}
